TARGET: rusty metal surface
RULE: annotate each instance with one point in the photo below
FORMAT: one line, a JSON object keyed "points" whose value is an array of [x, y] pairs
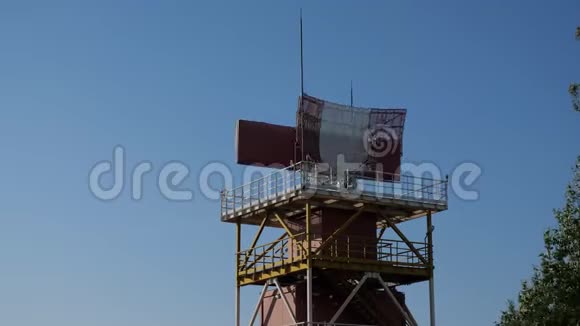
{"points": [[264, 144], [331, 292]]}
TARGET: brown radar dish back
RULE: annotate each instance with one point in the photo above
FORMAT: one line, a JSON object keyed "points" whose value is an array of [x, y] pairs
{"points": [[264, 144]]}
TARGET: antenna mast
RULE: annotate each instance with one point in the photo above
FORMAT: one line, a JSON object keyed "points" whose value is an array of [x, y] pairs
{"points": [[351, 97], [301, 58]]}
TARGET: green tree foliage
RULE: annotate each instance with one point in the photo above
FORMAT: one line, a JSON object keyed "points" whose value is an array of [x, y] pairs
{"points": [[575, 93], [574, 87], [552, 296]]}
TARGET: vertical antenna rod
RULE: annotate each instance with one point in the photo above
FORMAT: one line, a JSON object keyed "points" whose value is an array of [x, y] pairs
{"points": [[351, 98], [301, 58]]}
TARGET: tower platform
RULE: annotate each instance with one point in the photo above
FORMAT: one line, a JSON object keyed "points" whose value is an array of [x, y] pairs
{"points": [[400, 197], [333, 225]]}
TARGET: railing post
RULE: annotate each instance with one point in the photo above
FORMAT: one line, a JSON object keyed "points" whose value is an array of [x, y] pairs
{"points": [[330, 175], [284, 188], [431, 268], [316, 175], [364, 249], [446, 187], [222, 197], [259, 182], [348, 247], [238, 249], [243, 196], [309, 312], [234, 199], [294, 177], [304, 174]]}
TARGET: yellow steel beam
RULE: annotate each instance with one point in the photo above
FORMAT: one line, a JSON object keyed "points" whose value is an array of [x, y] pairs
{"points": [[238, 248], [431, 269], [340, 230], [256, 238], [308, 235], [259, 277], [270, 247], [404, 238], [383, 229], [284, 225], [430, 239], [238, 283]]}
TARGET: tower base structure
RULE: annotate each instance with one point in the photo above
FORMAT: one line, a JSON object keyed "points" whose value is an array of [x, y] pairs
{"points": [[332, 264], [370, 303]]}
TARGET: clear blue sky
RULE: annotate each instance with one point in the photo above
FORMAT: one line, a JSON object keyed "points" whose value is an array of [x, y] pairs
{"points": [[484, 81]]}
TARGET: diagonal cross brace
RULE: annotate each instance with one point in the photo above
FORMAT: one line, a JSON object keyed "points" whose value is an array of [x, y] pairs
{"points": [[349, 298], [340, 230], [404, 238], [408, 317], [283, 296], [382, 232], [270, 247], [284, 225], [256, 238], [259, 304]]}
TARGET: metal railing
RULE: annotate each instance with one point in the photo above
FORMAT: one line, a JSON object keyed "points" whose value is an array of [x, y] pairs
{"points": [[289, 250], [348, 247], [313, 177], [272, 186], [274, 254]]}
